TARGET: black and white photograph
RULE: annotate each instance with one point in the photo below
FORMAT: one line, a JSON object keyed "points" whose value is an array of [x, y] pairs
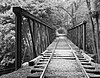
{"points": [[49, 39]]}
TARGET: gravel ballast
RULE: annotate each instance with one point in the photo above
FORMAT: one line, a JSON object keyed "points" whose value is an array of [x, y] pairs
{"points": [[65, 68]]}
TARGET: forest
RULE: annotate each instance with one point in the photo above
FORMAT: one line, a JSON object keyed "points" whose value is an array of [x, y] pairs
{"points": [[57, 13]]}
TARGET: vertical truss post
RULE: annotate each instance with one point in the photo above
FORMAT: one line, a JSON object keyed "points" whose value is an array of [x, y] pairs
{"points": [[18, 54], [80, 37], [77, 36], [48, 40], [49, 36], [34, 38], [45, 38], [71, 35], [34, 51], [84, 35], [97, 36]]}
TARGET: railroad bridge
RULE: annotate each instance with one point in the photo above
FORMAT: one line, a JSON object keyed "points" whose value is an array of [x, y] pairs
{"points": [[54, 54]]}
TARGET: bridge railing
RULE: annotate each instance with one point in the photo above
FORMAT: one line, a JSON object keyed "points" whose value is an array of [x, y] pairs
{"points": [[32, 36], [77, 35]]}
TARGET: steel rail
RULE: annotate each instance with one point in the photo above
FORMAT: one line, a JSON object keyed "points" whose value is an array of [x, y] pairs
{"points": [[44, 70], [87, 76], [78, 61]]}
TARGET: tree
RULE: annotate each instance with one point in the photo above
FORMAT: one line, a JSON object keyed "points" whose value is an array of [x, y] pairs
{"points": [[47, 10]]}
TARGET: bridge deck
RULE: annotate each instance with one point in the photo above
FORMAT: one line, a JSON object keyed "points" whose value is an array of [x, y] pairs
{"points": [[67, 61]]}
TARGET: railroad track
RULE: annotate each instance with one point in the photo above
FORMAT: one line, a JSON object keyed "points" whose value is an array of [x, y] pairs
{"points": [[61, 61], [87, 68]]}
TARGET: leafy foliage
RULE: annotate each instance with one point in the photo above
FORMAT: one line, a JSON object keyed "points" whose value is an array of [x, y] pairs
{"points": [[56, 13]]}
